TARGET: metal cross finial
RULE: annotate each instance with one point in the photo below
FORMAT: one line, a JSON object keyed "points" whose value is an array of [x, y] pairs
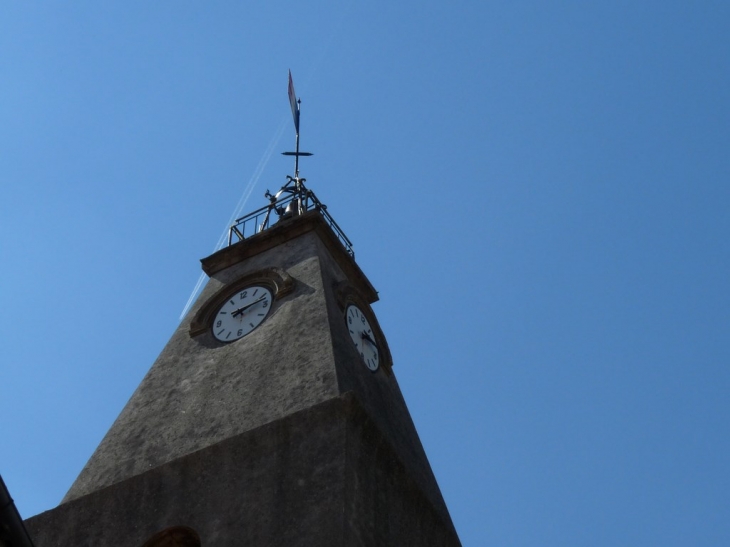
{"points": [[293, 199]]}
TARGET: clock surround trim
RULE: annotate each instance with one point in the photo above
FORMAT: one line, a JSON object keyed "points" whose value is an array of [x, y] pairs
{"points": [[275, 279]]}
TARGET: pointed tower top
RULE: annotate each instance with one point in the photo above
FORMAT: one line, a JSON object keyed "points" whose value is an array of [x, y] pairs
{"points": [[293, 199]]}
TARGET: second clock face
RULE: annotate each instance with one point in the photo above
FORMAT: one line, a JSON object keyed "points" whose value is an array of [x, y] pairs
{"points": [[362, 336], [241, 313]]}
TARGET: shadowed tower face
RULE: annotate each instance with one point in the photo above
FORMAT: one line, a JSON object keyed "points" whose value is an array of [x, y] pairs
{"points": [[271, 417]]}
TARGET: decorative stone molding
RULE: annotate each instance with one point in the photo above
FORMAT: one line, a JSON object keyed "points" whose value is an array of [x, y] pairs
{"points": [[176, 536], [277, 280], [346, 294]]}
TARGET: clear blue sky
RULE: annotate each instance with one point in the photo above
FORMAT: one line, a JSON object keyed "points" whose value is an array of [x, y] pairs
{"points": [[539, 191]]}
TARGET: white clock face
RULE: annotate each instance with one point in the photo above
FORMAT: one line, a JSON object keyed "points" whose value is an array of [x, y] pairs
{"points": [[241, 313], [363, 337]]}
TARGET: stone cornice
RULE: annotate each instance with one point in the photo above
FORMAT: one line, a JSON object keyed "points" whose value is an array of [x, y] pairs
{"points": [[287, 230]]}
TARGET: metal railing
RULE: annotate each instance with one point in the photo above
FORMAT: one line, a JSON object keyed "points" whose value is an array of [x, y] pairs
{"points": [[296, 200]]}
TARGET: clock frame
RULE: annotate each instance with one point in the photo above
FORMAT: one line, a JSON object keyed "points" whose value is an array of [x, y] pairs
{"points": [[275, 280], [362, 335]]}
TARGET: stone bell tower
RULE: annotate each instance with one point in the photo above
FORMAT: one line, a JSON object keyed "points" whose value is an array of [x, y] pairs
{"points": [[272, 417]]}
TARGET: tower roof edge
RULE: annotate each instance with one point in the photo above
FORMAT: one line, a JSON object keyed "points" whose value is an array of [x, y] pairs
{"points": [[286, 230]]}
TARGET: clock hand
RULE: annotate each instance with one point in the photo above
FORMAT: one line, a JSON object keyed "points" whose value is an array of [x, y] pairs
{"points": [[240, 311], [366, 336]]}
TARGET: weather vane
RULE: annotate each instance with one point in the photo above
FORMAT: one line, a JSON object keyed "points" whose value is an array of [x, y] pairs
{"points": [[296, 106], [293, 199]]}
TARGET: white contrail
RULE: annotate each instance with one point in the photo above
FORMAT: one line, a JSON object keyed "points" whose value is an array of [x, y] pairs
{"points": [[314, 67], [192, 295], [265, 158], [251, 183], [239, 206]]}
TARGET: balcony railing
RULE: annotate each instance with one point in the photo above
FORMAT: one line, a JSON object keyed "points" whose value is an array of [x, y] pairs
{"points": [[292, 200]]}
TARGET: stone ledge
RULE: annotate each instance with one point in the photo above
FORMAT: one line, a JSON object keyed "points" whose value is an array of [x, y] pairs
{"points": [[284, 231]]}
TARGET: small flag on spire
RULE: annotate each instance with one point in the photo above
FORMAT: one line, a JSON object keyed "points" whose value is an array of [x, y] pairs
{"points": [[293, 102]]}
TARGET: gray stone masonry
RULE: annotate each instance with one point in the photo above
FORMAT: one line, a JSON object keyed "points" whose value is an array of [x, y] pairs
{"points": [[202, 397], [320, 477]]}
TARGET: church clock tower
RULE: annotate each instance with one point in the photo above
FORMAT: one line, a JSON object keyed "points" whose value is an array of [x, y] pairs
{"points": [[272, 417]]}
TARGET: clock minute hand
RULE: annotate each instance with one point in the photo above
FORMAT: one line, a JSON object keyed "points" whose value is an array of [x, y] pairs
{"points": [[366, 336], [239, 311]]}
